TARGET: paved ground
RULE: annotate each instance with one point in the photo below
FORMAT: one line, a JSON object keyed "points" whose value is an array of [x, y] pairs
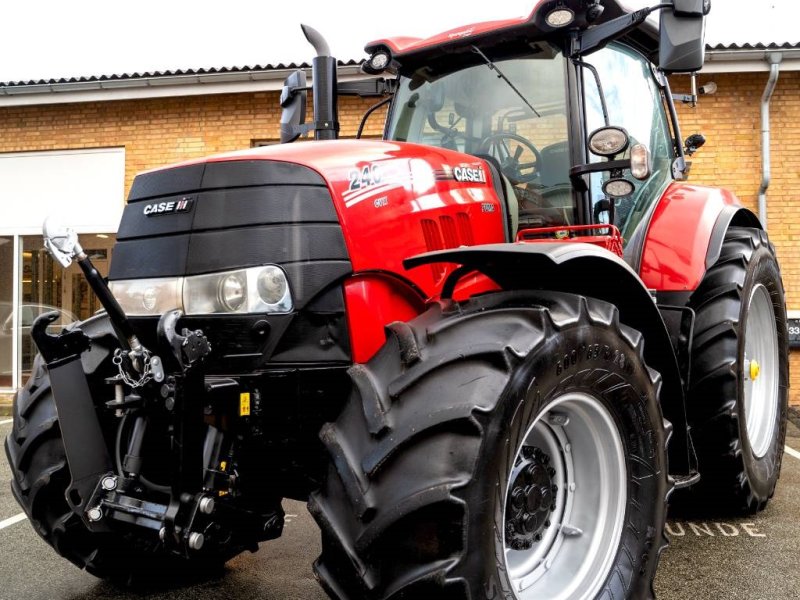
{"points": [[747, 559]]}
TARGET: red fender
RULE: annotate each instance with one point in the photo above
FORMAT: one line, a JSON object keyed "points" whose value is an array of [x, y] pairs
{"points": [[374, 300], [687, 225]]}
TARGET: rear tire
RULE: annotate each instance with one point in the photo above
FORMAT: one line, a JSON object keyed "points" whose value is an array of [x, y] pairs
{"points": [[738, 394], [451, 421], [38, 463]]}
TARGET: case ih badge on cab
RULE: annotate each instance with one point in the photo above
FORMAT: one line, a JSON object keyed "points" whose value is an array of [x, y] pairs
{"points": [[485, 350]]}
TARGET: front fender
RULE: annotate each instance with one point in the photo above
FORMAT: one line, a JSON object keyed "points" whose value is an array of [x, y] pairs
{"points": [[686, 233], [589, 271]]}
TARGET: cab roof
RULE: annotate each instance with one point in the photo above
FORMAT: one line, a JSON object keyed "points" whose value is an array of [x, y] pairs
{"points": [[508, 36]]}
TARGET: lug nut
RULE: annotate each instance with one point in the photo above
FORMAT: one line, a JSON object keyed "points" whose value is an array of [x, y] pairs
{"points": [[94, 514], [196, 540], [530, 524], [207, 505], [109, 483]]}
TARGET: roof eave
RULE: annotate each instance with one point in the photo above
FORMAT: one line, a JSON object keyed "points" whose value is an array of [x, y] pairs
{"points": [[157, 86], [743, 60]]}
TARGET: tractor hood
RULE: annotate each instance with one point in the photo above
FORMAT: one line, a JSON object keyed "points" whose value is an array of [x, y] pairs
{"points": [[361, 205]]}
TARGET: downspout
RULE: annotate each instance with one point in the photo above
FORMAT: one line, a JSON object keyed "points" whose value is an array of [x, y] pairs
{"points": [[774, 60]]}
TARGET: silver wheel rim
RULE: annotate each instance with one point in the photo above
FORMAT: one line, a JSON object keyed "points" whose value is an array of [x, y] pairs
{"points": [[576, 551], [760, 371]]}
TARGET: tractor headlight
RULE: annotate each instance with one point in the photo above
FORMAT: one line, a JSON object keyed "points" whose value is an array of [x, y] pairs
{"points": [[231, 292], [254, 290], [272, 285], [142, 297]]}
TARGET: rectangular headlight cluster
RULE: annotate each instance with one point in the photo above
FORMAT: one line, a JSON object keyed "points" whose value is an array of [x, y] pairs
{"points": [[255, 290]]}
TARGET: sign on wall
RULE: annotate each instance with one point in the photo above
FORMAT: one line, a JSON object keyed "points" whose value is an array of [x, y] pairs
{"points": [[794, 328], [85, 188]]}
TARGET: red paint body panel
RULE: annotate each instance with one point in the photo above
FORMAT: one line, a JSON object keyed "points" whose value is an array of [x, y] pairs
{"points": [[405, 45], [674, 255], [374, 300]]}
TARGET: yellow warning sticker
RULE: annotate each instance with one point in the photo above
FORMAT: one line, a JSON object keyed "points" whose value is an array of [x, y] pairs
{"points": [[244, 404]]}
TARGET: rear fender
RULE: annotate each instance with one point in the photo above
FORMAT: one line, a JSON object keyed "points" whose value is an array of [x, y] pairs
{"points": [[686, 233], [589, 271]]}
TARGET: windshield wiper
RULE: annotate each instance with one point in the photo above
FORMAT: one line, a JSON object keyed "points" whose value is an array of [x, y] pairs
{"points": [[500, 74]]}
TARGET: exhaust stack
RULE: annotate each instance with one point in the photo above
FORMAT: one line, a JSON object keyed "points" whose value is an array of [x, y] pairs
{"points": [[326, 106]]}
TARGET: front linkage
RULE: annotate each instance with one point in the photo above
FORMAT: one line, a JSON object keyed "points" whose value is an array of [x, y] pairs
{"points": [[197, 510]]}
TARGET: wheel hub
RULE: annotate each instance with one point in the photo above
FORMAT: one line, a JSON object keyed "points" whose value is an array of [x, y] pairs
{"points": [[531, 499]]}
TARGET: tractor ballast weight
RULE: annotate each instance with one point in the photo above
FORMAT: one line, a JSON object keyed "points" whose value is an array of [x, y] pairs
{"points": [[485, 349]]}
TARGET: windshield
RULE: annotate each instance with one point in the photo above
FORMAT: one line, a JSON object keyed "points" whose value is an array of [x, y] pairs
{"points": [[513, 113]]}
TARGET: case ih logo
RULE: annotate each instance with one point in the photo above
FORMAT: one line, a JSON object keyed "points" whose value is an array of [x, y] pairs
{"points": [[167, 208], [469, 174]]}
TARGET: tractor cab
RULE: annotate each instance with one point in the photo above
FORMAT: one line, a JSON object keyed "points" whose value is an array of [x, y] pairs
{"points": [[566, 106]]}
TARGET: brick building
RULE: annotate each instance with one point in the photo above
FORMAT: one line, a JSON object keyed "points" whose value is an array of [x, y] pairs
{"points": [[63, 130]]}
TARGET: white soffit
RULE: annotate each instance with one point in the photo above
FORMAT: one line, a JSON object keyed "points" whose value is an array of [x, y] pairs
{"points": [[85, 188]]}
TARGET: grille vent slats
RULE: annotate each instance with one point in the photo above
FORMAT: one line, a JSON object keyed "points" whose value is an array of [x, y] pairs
{"points": [[445, 233]]}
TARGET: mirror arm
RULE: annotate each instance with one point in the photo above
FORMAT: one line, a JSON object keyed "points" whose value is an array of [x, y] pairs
{"points": [[577, 172], [596, 37], [679, 168]]}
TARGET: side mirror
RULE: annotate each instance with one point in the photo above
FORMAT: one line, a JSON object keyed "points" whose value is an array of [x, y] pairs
{"points": [[61, 241], [693, 143], [682, 46], [294, 97]]}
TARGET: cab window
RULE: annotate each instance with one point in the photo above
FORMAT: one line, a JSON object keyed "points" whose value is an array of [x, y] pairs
{"points": [[634, 102]]}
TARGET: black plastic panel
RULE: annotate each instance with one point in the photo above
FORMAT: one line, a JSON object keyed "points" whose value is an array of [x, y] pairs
{"points": [[309, 278], [149, 257], [167, 182], [238, 207], [231, 248], [263, 206], [234, 173], [258, 172]]}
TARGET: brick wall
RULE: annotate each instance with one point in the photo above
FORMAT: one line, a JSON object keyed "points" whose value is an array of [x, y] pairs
{"points": [[731, 122], [160, 131]]}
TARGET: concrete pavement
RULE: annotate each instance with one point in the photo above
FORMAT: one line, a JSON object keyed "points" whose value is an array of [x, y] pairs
{"points": [[733, 559]]}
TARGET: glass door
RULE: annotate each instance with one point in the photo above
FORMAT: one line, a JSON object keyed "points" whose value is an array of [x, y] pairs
{"points": [[45, 287], [7, 358]]}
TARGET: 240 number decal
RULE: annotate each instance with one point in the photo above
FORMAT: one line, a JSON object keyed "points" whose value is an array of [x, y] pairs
{"points": [[364, 177]]}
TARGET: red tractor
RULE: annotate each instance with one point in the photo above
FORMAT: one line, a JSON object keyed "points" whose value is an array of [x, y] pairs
{"points": [[485, 349]]}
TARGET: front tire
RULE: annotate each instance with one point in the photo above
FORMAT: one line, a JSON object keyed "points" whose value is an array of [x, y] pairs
{"points": [[509, 447], [738, 394]]}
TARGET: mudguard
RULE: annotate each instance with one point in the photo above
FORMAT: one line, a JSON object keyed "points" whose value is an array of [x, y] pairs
{"points": [[590, 271], [685, 235]]}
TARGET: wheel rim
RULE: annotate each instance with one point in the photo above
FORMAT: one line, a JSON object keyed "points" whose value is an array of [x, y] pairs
{"points": [[574, 554], [760, 371]]}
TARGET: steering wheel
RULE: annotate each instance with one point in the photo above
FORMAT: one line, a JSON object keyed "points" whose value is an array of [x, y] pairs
{"points": [[508, 148]]}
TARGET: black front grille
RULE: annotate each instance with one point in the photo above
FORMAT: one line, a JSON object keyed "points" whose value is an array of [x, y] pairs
{"points": [[243, 214]]}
